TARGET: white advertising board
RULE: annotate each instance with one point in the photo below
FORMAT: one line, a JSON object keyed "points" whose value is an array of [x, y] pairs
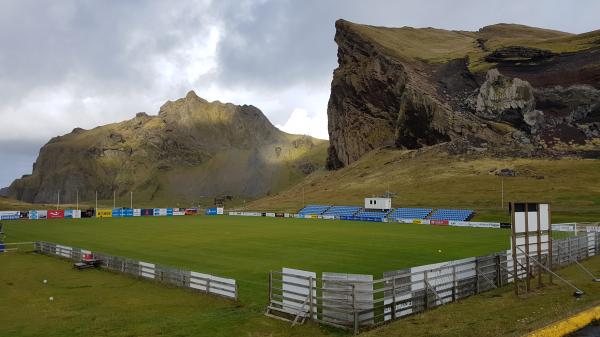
{"points": [[160, 212]]}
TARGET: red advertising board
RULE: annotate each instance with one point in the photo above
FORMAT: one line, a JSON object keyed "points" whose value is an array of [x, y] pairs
{"points": [[439, 222], [56, 214], [191, 211]]}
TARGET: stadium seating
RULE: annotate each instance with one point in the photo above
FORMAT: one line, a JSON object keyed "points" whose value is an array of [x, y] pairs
{"points": [[410, 213], [451, 214], [398, 213], [372, 214], [313, 209], [342, 210]]}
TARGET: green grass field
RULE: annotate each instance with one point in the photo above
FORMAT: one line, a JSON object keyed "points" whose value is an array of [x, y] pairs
{"points": [[101, 303], [247, 248]]}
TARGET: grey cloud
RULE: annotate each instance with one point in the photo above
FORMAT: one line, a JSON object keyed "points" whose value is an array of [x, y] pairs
{"points": [[103, 45], [16, 158], [282, 49], [277, 42]]}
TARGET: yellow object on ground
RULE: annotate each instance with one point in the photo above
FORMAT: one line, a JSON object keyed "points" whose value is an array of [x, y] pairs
{"points": [[568, 325]]}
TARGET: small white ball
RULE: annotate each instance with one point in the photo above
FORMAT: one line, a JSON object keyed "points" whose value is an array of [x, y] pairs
{"points": [[51, 298], [45, 281], [439, 250]]}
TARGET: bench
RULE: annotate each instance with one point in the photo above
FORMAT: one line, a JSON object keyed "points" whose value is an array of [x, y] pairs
{"points": [[84, 264]]}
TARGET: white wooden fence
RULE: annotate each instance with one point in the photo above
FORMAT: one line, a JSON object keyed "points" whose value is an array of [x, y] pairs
{"points": [[354, 302], [210, 284]]}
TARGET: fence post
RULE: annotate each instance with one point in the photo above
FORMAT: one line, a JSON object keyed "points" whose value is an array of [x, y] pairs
{"points": [[310, 297], [453, 283], [237, 290], [476, 275], [270, 286], [355, 312], [498, 271], [550, 254], [393, 297], [557, 254], [207, 285], [426, 304]]}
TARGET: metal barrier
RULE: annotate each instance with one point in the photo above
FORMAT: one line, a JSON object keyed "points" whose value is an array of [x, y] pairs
{"points": [[354, 304], [210, 284]]}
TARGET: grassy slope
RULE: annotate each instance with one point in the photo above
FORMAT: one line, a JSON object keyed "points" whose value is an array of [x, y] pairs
{"points": [[8, 204], [438, 45], [435, 180]]}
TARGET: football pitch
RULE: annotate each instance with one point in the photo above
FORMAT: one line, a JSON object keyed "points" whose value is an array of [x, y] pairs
{"points": [[247, 248]]}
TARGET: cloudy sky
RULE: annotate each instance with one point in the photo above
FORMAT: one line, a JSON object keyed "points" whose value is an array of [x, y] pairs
{"points": [[67, 64]]}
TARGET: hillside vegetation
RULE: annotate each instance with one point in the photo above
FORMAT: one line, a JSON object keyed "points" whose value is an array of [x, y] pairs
{"points": [[431, 178], [440, 46]]}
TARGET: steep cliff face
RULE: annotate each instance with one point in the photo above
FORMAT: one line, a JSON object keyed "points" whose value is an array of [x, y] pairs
{"points": [[192, 148], [409, 88]]}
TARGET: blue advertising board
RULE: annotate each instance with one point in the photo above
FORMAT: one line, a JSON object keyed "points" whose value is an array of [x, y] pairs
{"points": [[361, 218], [10, 215], [117, 212]]}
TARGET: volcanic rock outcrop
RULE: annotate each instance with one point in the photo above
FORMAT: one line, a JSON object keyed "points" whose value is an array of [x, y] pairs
{"points": [[508, 89]]}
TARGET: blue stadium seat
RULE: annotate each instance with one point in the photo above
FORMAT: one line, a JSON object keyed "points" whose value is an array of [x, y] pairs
{"points": [[342, 211], [452, 214], [373, 214], [313, 210], [410, 213]]}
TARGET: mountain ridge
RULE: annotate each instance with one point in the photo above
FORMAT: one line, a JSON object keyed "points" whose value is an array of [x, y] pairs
{"points": [[191, 148]]}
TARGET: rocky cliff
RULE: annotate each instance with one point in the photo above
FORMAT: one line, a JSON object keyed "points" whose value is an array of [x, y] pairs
{"points": [[505, 89], [191, 149]]}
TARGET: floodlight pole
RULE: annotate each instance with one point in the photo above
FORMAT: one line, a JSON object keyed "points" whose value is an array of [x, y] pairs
{"points": [[131, 199], [58, 200], [114, 199], [96, 209], [502, 184], [77, 193]]}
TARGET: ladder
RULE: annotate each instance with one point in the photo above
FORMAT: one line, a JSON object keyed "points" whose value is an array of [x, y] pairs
{"points": [[288, 312]]}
